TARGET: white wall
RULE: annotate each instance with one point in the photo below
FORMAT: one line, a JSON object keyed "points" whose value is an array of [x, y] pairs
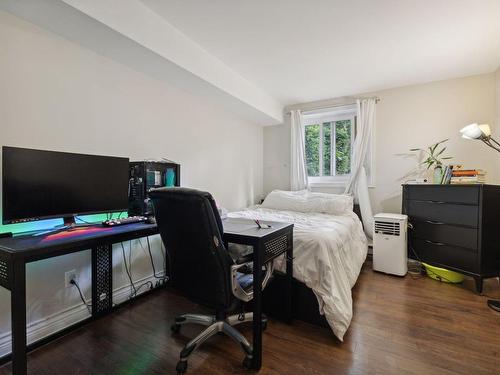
{"points": [[407, 117], [57, 95], [497, 105]]}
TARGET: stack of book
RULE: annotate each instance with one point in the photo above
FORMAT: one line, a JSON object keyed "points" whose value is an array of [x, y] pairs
{"points": [[468, 176], [447, 172]]}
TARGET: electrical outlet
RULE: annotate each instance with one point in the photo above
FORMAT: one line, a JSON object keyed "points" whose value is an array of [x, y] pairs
{"points": [[68, 276]]}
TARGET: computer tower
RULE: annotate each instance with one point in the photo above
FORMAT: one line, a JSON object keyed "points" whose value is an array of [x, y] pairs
{"points": [[147, 175]]}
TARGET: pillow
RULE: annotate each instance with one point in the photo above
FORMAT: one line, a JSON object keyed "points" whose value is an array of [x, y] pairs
{"points": [[333, 204], [306, 201]]}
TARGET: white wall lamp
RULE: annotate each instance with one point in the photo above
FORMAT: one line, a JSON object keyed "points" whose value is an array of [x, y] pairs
{"points": [[483, 133]]}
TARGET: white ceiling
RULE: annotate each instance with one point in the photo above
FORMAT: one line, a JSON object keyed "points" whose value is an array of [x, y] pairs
{"points": [[306, 50]]}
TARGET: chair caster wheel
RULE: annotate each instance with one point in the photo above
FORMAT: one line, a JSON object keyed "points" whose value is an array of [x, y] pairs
{"points": [[175, 328], [181, 367], [247, 363]]}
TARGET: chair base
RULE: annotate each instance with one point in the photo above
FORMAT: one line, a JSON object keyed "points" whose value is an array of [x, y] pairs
{"points": [[214, 326]]}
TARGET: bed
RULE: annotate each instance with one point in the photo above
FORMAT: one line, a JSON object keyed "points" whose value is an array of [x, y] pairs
{"points": [[329, 249]]}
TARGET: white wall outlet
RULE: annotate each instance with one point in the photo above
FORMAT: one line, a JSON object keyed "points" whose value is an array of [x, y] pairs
{"points": [[68, 276]]}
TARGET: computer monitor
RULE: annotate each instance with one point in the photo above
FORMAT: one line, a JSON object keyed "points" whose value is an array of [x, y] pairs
{"points": [[41, 184]]}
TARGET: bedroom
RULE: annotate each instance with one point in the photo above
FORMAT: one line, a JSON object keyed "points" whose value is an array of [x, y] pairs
{"points": [[211, 85]]}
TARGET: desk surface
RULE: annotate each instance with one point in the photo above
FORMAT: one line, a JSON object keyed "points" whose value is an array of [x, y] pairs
{"points": [[85, 237], [80, 237], [248, 228]]}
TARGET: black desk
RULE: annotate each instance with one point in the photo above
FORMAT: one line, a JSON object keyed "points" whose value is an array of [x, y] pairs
{"points": [[15, 252], [267, 245]]}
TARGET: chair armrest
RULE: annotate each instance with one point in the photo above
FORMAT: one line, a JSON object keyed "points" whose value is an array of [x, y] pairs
{"points": [[238, 291]]}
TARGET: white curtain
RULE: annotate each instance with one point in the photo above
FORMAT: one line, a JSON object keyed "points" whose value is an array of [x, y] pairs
{"points": [[358, 183], [365, 205], [364, 127], [298, 171]]}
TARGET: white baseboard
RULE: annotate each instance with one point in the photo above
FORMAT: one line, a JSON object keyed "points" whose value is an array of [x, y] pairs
{"points": [[51, 324]]}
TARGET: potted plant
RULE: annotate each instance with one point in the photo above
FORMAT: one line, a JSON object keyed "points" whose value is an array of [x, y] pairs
{"points": [[434, 158]]}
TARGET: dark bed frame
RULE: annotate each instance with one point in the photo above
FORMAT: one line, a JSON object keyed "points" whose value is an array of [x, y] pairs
{"points": [[305, 305]]}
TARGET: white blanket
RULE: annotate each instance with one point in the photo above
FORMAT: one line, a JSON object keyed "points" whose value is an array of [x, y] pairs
{"points": [[328, 254]]}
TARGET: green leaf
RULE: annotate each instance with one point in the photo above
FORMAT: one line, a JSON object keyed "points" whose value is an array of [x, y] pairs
{"points": [[440, 152], [415, 149], [447, 157]]}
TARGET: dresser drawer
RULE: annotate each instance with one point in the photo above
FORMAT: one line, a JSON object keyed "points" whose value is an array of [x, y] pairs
{"points": [[446, 213], [449, 234], [444, 193], [443, 255]]}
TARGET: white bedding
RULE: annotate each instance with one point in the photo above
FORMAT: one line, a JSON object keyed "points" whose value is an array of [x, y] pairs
{"points": [[328, 254]]}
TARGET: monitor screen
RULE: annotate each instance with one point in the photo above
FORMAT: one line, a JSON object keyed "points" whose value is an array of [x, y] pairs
{"points": [[47, 184]]}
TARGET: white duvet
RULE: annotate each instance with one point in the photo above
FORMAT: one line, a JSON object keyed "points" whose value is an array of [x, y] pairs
{"points": [[328, 254]]}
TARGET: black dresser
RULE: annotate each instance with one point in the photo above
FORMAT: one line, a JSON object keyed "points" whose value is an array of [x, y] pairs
{"points": [[455, 227]]}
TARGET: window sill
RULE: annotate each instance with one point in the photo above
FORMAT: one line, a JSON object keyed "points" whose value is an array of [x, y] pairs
{"points": [[335, 184], [328, 184]]}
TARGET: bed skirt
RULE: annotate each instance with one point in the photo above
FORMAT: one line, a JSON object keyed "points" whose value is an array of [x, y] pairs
{"points": [[304, 302]]}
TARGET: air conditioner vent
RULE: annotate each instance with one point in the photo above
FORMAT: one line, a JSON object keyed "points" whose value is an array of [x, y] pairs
{"points": [[387, 227]]}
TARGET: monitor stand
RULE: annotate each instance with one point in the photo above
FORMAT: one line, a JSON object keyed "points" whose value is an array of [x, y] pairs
{"points": [[69, 224]]}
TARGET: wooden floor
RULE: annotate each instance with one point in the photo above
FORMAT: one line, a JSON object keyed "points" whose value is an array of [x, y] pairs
{"points": [[400, 326]]}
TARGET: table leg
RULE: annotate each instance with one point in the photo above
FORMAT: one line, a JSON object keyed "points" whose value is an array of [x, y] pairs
{"points": [[257, 306], [18, 318], [289, 279], [102, 279]]}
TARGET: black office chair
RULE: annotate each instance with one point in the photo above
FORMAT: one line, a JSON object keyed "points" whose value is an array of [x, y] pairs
{"points": [[201, 268]]}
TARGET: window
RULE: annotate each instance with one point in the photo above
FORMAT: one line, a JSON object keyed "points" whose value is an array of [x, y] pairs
{"points": [[329, 138]]}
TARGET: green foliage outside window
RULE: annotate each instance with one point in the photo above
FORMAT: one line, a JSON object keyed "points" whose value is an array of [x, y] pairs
{"points": [[342, 147], [327, 148], [312, 150]]}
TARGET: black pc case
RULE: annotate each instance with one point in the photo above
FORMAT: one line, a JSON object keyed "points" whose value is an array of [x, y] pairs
{"points": [[147, 175]]}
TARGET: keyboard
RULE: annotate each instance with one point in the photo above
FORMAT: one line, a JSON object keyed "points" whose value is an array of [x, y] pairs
{"points": [[124, 221]]}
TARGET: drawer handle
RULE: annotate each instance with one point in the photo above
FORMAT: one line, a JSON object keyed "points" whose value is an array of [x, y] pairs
{"points": [[435, 243], [434, 222], [437, 202]]}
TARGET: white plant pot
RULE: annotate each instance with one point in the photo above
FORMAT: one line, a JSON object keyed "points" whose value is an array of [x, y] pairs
{"points": [[438, 175]]}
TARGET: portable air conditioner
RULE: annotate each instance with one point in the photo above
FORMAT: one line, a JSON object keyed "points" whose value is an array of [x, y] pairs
{"points": [[389, 244]]}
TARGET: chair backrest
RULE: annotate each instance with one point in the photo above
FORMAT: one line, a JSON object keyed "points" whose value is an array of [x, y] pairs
{"points": [[191, 229]]}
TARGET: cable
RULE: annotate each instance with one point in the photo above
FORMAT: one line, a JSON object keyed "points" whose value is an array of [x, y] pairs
{"points": [[88, 306], [126, 269], [135, 289], [151, 257], [130, 263], [84, 221], [164, 277], [427, 269], [150, 283], [152, 261]]}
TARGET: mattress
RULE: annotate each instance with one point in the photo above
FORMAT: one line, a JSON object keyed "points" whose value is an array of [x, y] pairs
{"points": [[329, 251]]}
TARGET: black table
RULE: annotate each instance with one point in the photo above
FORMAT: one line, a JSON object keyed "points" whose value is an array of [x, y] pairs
{"points": [[16, 251], [267, 245]]}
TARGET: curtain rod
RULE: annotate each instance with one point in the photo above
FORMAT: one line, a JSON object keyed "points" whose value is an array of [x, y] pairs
{"points": [[377, 99]]}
